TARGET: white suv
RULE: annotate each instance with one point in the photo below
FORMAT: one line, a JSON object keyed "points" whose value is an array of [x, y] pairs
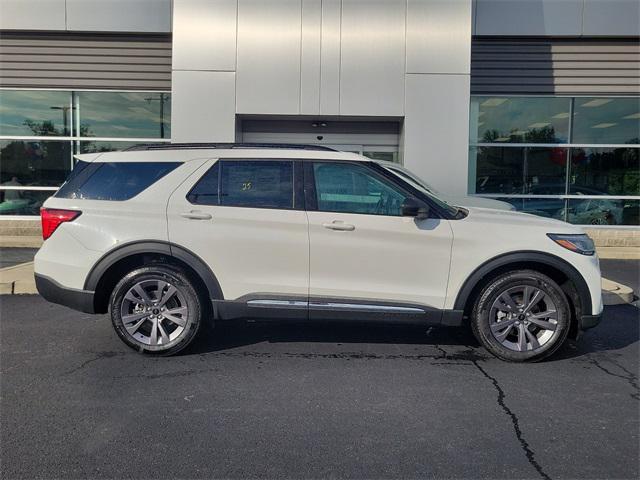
{"points": [[166, 237]]}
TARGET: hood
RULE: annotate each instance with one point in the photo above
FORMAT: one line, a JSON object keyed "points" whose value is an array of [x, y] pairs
{"points": [[476, 202], [491, 217]]}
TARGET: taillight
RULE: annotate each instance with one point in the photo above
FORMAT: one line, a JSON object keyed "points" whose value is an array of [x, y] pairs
{"points": [[53, 217]]}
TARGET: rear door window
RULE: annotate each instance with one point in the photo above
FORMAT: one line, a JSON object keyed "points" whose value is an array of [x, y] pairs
{"points": [[114, 180], [258, 184], [246, 183]]}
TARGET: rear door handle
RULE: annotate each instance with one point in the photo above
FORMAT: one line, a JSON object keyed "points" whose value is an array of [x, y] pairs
{"points": [[193, 215], [340, 226]]}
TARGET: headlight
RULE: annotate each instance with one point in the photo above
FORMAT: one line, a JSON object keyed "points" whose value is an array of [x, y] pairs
{"points": [[579, 243]]}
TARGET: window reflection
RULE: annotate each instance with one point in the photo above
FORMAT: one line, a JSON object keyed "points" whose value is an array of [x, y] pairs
{"points": [[603, 212], [22, 202], [606, 120], [98, 147], [35, 113], [605, 171], [520, 120], [532, 170], [385, 156], [543, 207], [34, 163], [117, 114]]}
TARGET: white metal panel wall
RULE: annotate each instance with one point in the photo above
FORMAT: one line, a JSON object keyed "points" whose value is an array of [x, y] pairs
{"points": [[119, 15], [339, 58], [436, 130], [372, 56], [203, 106], [611, 17], [32, 15], [310, 57], [204, 35], [438, 36], [330, 57], [268, 68]]}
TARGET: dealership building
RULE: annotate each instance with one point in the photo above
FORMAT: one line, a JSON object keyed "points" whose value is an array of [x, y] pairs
{"points": [[535, 102]]}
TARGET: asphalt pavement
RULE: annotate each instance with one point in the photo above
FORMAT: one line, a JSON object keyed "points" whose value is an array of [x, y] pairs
{"points": [[311, 401], [10, 256]]}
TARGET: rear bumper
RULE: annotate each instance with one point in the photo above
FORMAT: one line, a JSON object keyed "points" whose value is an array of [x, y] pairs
{"points": [[53, 292], [589, 321]]}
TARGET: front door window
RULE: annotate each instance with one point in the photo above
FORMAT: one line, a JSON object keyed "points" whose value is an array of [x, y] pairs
{"points": [[350, 188]]}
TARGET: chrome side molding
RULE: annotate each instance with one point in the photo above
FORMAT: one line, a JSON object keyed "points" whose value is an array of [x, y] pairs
{"points": [[364, 307], [361, 307]]}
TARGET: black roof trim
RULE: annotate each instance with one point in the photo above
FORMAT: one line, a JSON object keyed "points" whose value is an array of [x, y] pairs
{"points": [[195, 146]]}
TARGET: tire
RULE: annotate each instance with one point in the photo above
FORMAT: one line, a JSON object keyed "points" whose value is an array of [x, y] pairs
{"points": [[156, 310], [519, 331]]}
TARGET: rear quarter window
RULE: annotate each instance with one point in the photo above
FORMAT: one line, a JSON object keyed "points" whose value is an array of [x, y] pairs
{"points": [[114, 181]]}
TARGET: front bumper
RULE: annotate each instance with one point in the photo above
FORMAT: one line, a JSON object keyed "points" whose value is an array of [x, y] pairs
{"points": [[53, 292]]}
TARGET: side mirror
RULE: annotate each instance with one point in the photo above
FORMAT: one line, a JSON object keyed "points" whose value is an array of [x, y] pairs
{"points": [[412, 207]]}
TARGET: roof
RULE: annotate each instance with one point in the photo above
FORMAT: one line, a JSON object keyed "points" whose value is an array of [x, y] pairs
{"points": [[185, 152], [225, 146]]}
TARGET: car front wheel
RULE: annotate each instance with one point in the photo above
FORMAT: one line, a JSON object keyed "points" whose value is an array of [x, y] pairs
{"points": [[156, 310], [521, 316]]}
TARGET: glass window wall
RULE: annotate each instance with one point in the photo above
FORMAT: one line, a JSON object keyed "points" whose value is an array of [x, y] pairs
{"points": [[41, 130], [587, 170]]}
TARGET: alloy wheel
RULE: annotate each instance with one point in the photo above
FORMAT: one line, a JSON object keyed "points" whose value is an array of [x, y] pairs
{"points": [[154, 312], [523, 318]]}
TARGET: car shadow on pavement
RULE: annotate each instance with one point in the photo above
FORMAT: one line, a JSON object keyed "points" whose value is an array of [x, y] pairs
{"points": [[619, 328], [228, 335]]}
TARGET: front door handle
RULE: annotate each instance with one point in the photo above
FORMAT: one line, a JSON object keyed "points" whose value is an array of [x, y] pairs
{"points": [[340, 226], [193, 215]]}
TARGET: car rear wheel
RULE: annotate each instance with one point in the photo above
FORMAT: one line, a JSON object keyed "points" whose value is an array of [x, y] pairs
{"points": [[521, 316], [156, 310]]}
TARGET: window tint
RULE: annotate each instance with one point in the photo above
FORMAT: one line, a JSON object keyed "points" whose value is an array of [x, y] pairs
{"points": [[348, 188], [258, 184], [115, 181], [205, 192]]}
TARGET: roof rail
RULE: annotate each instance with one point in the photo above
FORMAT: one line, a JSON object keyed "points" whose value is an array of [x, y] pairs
{"points": [[195, 146]]}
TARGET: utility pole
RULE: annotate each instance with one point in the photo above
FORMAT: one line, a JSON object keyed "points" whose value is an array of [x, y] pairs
{"points": [[163, 98]]}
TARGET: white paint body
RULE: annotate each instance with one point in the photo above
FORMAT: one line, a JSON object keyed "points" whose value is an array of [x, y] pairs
{"points": [[290, 252]]}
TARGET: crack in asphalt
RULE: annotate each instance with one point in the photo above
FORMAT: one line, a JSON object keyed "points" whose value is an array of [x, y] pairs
{"points": [[99, 356], [516, 423], [630, 378]]}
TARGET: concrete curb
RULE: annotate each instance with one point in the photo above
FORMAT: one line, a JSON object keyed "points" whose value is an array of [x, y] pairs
{"points": [[615, 293], [18, 279], [20, 241], [619, 253]]}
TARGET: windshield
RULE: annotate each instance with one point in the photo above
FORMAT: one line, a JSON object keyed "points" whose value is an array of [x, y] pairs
{"points": [[421, 185]]}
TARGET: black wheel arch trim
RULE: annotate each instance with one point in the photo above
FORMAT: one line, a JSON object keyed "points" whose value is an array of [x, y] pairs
{"points": [[155, 246], [526, 256], [52, 291]]}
